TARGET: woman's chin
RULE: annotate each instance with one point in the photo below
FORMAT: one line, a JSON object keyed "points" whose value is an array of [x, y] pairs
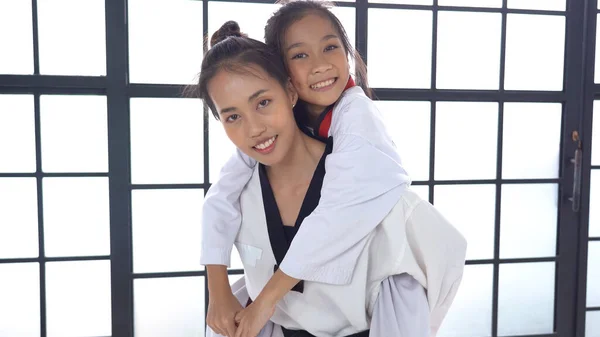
{"points": [[265, 159]]}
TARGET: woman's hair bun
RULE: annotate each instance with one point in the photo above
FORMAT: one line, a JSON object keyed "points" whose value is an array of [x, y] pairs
{"points": [[229, 28]]}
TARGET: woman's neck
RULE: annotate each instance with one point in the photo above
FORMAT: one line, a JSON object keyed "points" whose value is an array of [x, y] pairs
{"points": [[300, 161]]}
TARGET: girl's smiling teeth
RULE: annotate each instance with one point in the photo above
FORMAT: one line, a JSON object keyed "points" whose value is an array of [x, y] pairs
{"points": [[323, 84], [266, 144]]}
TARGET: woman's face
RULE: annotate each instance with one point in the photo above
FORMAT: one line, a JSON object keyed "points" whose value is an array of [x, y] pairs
{"points": [[316, 61], [256, 112]]}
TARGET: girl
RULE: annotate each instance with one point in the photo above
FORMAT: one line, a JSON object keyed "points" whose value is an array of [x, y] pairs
{"points": [[364, 177], [248, 90]]}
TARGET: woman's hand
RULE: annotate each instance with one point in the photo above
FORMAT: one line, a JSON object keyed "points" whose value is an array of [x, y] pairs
{"points": [[222, 304], [252, 319], [222, 310]]}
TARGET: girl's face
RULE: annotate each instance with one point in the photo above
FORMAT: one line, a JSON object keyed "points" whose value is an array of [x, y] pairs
{"points": [[316, 61], [256, 112]]}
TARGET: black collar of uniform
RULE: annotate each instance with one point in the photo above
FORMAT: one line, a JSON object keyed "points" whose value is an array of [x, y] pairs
{"points": [[277, 237]]}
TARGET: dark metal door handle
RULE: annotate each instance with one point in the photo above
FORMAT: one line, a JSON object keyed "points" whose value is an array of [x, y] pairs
{"points": [[575, 198]]}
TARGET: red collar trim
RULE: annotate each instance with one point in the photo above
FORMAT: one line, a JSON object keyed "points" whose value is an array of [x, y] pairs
{"points": [[325, 124]]}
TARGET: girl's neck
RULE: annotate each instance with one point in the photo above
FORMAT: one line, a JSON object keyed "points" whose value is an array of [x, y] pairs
{"points": [[314, 112], [300, 161]]}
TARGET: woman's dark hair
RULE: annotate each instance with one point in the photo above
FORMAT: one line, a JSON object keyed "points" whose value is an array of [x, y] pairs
{"points": [[233, 51], [295, 10]]}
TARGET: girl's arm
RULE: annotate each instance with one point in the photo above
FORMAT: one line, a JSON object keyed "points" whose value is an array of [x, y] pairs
{"points": [[221, 215], [364, 181], [252, 319]]}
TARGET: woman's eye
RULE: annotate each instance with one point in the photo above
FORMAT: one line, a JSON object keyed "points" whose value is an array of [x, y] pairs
{"points": [[263, 103]]}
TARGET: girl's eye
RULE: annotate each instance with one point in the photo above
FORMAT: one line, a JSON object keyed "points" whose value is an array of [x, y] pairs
{"points": [[263, 103], [299, 56], [232, 118], [331, 47]]}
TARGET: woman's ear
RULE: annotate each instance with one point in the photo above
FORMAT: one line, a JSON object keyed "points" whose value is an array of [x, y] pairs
{"points": [[292, 92]]}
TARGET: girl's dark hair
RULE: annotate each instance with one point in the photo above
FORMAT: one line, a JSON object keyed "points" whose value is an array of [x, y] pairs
{"points": [[233, 51], [292, 11]]}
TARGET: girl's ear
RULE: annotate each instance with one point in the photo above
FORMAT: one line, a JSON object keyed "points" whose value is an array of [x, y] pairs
{"points": [[292, 92]]}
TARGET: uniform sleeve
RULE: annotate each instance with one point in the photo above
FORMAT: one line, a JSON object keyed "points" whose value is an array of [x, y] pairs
{"points": [[364, 180], [221, 215], [437, 258]]}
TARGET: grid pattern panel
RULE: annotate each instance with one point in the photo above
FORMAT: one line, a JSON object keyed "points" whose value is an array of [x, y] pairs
{"points": [[121, 94]]}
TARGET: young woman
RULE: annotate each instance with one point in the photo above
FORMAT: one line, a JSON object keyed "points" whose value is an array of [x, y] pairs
{"points": [[247, 88]]}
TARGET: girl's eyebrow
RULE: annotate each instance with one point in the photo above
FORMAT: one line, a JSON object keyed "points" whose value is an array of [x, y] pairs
{"points": [[325, 38], [295, 45], [329, 37]]}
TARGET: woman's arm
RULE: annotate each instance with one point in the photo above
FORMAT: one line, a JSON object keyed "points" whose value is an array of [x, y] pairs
{"points": [[221, 215], [221, 220], [222, 304]]}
